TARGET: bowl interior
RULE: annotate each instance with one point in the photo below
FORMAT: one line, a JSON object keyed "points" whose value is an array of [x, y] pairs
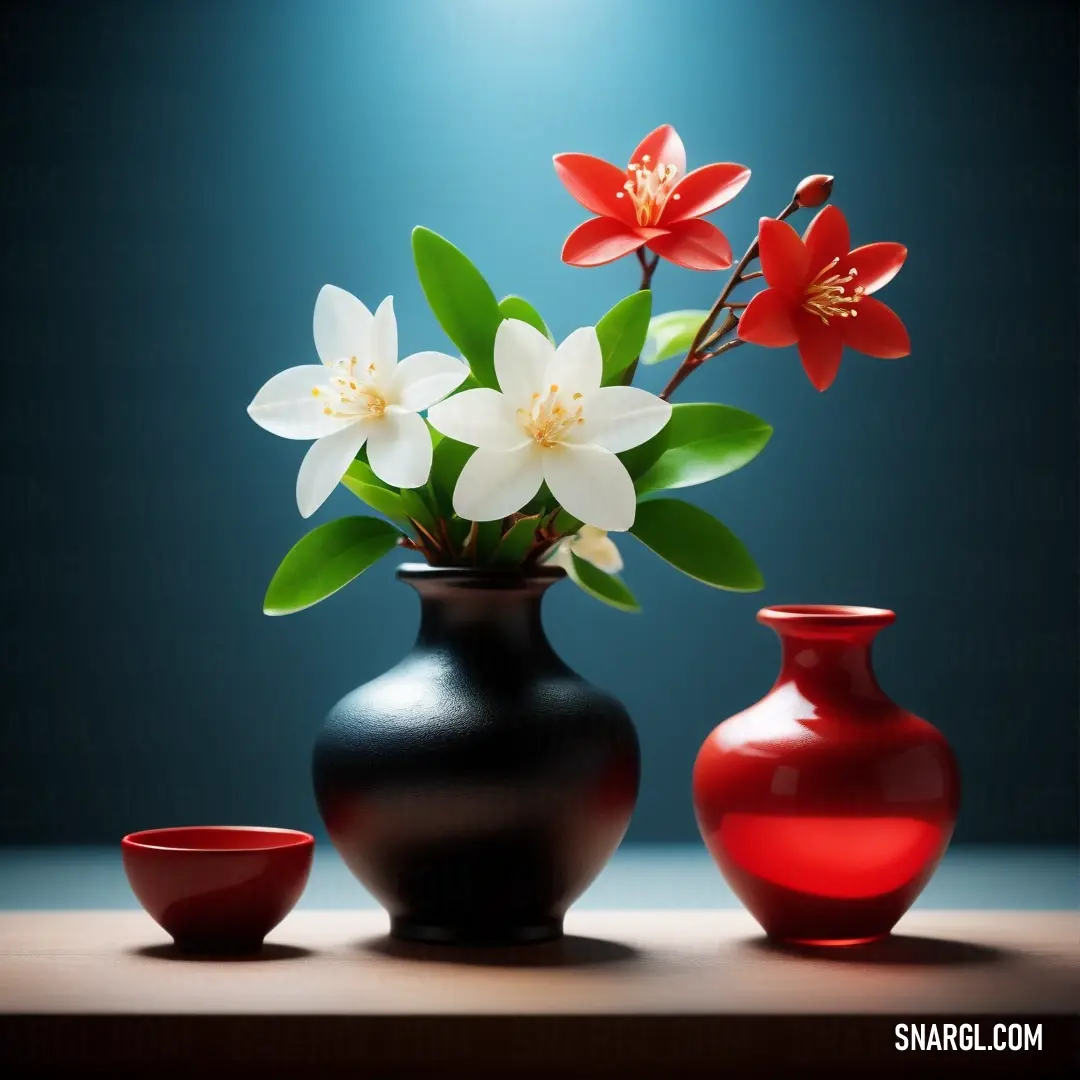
{"points": [[218, 838]]}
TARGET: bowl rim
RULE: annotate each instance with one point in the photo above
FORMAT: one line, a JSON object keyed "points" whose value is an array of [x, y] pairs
{"points": [[290, 838]]}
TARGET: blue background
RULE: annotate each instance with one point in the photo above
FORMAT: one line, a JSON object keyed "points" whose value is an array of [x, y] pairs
{"points": [[180, 179]]}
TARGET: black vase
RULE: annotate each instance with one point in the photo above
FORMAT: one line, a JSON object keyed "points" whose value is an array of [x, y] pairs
{"points": [[480, 785]]}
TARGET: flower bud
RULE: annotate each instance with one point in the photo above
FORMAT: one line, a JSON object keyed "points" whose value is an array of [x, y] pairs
{"points": [[814, 190]]}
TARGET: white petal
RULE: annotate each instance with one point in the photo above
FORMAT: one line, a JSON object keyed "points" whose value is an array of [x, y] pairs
{"points": [[285, 405], [325, 464], [481, 417], [522, 355], [620, 417], [342, 325], [384, 342], [595, 546], [424, 378], [497, 483], [399, 448], [578, 365], [592, 484]]}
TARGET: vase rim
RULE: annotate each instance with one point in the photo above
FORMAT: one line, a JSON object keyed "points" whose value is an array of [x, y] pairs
{"points": [[507, 575], [825, 616]]}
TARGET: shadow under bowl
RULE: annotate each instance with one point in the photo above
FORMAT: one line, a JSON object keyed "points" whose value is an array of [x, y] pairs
{"points": [[218, 889]]}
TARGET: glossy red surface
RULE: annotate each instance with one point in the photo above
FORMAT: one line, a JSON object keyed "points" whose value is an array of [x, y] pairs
{"points": [[218, 888], [826, 806]]}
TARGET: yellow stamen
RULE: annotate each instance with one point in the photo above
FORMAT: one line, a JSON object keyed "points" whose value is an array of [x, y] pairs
{"points": [[649, 189], [353, 398], [827, 297], [547, 420]]}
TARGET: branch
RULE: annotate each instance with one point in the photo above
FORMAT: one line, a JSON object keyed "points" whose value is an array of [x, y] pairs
{"points": [[694, 357], [648, 268], [734, 343]]}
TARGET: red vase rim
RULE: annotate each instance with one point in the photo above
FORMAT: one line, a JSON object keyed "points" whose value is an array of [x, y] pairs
{"points": [[223, 839], [825, 616]]}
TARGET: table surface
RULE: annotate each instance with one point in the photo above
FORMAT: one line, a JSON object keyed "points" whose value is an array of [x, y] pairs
{"points": [[639, 877], [666, 990], [671, 981], [682, 962]]}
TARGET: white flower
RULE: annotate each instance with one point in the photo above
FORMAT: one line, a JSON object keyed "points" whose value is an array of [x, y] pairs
{"points": [[591, 544], [552, 421], [359, 394]]}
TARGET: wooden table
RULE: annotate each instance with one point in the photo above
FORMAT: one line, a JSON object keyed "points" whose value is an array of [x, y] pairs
{"points": [[627, 993]]}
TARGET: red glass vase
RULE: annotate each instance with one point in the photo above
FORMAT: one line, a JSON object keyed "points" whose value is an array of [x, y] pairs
{"points": [[826, 806]]}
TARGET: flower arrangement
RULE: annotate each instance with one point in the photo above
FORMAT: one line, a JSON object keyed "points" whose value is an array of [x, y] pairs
{"points": [[533, 451]]}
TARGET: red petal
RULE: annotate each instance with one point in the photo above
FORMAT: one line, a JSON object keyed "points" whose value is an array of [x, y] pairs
{"points": [[703, 191], [827, 237], [783, 256], [768, 321], [820, 347], [596, 184], [875, 265], [599, 240], [695, 244], [876, 330], [661, 145]]}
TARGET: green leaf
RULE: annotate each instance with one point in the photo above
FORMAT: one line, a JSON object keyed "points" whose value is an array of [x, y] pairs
{"points": [[608, 588], [693, 541], [639, 459], [416, 507], [622, 333], [566, 523], [325, 560], [366, 486], [541, 503], [516, 542], [488, 535], [447, 461], [702, 442], [459, 529], [517, 307], [671, 334], [461, 300]]}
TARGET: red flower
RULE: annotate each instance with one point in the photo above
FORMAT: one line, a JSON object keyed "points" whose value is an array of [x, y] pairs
{"points": [[655, 202], [819, 295]]}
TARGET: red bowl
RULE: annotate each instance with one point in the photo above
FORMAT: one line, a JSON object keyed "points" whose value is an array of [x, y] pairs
{"points": [[218, 888]]}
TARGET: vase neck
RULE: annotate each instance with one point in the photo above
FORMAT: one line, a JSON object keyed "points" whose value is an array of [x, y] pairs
{"points": [[826, 652], [829, 670], [481, 611]]}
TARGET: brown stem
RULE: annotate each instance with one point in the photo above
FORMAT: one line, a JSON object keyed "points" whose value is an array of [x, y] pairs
{"points": [[444, 531], [734, 343], [648, 268], [753, 274], [432, 549], [694, 358], [729, 324], [541, 546]]}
